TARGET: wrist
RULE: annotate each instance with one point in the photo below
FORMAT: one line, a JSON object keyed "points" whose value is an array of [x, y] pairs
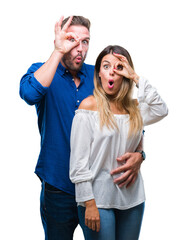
{"points": [[90, 203], [58, 54], [142, 153], [135, 78]]}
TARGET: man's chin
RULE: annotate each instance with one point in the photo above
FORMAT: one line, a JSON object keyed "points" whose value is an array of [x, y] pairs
{"points": [[77, 66]]}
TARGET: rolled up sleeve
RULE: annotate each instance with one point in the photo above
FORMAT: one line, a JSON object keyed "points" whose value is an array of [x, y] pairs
{"points": [[31, 91]]}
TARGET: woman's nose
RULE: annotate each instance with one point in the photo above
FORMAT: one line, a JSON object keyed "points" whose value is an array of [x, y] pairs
{"points": [[111, 71]]}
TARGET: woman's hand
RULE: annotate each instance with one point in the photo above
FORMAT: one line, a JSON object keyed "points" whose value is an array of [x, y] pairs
{"points": [[123, 68], [92, 217]]}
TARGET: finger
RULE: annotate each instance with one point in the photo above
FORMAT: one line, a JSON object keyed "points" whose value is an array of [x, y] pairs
{"points": [[98, 225], [123, 158], [126, 182], [89, 224], [86, 221], [120, 169], [67, 24], [132, 181], [119, 66], [121, 57], [118, 55], [71, 35], [56, 27], [122, 178], [93, 225], [60, 23]]}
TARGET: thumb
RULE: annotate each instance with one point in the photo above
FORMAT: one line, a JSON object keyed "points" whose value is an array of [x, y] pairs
{"points": [[123, 157]]}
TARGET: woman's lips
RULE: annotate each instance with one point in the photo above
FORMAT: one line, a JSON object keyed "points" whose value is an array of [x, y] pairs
{"points": [[110, 84]]}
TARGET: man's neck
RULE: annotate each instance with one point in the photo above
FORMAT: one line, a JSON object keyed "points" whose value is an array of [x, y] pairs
{"points": [[72, 72]]}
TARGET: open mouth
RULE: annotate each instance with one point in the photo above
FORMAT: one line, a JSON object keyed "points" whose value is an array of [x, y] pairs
{"points": [[110, 83], [78, 59]]}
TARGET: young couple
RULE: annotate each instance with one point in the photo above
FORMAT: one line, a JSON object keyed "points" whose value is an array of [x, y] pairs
{"points": [[106, 136]]}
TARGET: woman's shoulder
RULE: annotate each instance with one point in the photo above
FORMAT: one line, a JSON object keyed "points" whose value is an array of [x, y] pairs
{"points": [[89, 103]]}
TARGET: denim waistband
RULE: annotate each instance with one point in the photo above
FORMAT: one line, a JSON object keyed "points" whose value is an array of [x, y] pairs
{"points": [[50, 187]]}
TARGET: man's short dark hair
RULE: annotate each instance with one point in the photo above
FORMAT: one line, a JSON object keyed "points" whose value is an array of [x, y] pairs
{"points": [[78, 20]]}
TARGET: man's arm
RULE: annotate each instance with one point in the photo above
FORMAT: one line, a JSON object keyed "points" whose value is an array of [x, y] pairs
{"points": [[130, 169]]}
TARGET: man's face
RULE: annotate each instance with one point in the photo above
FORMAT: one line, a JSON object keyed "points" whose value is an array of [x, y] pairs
{"points": [[74, 59]]}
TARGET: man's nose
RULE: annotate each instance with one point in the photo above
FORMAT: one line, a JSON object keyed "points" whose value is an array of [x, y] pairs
{"points": [[80, 47]]}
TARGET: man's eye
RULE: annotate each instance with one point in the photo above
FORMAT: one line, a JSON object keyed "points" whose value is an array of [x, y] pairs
{"points": [[72, 40], [85, 42]]}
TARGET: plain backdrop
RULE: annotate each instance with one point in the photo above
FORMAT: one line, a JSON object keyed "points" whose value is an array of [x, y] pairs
{"points": [[155, 34]]}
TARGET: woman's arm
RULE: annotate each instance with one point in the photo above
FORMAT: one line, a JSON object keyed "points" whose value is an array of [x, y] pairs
{"points": [[92, 217], [81, 139], [80, 173], [152, 107]]}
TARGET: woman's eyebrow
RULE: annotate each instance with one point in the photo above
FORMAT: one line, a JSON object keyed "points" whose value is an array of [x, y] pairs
{"points": [[106, 61]]}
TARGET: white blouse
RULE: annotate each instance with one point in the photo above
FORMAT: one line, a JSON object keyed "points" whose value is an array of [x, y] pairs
{"points": [[94, 152]]}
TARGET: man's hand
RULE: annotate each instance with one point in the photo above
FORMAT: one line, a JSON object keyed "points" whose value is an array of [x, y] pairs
{"points": [[132, 162], [64, 40]]}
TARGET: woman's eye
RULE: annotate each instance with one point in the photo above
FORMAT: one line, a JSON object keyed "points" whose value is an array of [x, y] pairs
{"points": [[119, 67], [105, 66]]}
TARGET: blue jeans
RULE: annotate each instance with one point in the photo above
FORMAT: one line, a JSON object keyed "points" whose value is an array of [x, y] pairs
{"points": [[58, 212], [114, 224]]}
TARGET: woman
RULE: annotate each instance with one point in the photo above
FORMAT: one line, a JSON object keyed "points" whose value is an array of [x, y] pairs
{"points": [[105, 126]]}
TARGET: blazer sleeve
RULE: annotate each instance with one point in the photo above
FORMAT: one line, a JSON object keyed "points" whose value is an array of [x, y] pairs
{"points": [[152, 107], [81, 140]]}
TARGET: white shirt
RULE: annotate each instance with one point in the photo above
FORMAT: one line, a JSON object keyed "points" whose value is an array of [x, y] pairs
{"points": [[94, 152]]}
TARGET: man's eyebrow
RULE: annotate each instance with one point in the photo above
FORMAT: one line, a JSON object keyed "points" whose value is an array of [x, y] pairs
{"points": [[86, 38]]}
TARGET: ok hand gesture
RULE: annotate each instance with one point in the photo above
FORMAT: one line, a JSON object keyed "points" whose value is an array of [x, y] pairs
{"points": [[64, 40], [123, 68]]}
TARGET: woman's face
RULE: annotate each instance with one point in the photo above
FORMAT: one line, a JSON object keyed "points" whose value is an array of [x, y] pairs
{"points": [[111, 81]]}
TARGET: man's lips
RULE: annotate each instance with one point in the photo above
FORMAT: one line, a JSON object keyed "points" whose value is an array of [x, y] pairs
{"points": [[78, 59]]}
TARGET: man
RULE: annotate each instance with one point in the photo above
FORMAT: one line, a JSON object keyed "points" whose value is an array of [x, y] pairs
{"points": [[57, 87]]}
